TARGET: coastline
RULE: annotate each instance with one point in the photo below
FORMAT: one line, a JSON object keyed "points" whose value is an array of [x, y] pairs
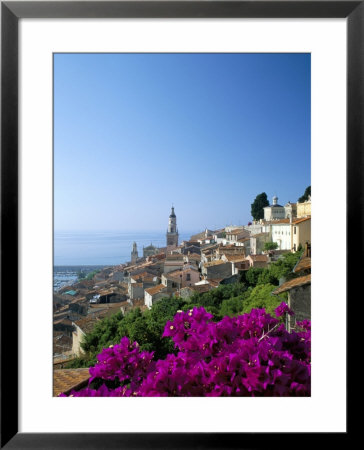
{"points": [[104, 248]]}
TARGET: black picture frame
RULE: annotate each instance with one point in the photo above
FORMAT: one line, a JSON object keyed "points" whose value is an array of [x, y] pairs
{"points": [[11, 12]]}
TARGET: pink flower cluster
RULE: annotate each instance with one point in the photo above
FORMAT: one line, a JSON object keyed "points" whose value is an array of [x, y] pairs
{"points": [[249, 355]]}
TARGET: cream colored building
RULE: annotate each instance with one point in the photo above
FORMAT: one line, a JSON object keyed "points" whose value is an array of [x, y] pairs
{"points": [[304, 209], [77, 337], [301, 232]]}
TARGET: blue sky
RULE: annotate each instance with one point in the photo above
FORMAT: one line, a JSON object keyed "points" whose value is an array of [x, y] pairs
{"points": [[134, 133]]}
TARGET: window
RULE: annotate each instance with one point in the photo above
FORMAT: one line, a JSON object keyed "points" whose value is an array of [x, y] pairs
{"points": [[294, 230], [188, 278]]}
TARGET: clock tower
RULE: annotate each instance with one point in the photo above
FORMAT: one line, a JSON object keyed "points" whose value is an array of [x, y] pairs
{"points": [[172, 232]]}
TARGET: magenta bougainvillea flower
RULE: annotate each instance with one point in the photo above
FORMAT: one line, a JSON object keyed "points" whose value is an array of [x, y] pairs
{"points": [[282, 309], [249, 355]]}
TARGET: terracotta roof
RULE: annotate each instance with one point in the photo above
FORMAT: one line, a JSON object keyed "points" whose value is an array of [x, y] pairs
{"points": [[215, 263], [62, 360], [259, 257], [158, 256], [209, 247], [87, 324], [144, 276], [64, 380], [175, 256], [140, 269], [279, 221], [149, 279], [201, 288], [175, 273], [303, 219], [194, 256], [140, 275], [177, 278], [200, 235], [235, 258], [296, 282], [303, 264], [238, 233], [137, 266], [156, 289]]}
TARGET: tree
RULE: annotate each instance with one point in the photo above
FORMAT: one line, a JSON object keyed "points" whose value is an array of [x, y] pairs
{"points": [[305, 195], [272, 274], [215, 297], [231, 307], [90, 275], [257, 206], [284, 266], [270, 246], [261, 297], [252, 275]]}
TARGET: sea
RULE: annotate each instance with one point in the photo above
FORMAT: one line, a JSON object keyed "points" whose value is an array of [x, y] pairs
{"points": [[104, 248], [76, 252]]}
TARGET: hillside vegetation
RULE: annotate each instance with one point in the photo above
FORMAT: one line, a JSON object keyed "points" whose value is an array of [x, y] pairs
{"points": [[254, 290]]}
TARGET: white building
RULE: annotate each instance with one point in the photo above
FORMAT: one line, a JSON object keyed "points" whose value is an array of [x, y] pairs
{"points": [[280, 232], [274, 211], [155, 293]]}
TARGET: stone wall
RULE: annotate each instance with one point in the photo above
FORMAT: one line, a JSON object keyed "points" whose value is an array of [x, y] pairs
{"points": [[299, 300], [219, 271]]}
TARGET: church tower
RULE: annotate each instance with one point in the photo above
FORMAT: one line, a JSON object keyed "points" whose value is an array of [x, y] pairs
{"points": [[134, 254], [172, 232]]}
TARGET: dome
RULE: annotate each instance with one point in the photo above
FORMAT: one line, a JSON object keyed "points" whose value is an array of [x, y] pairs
{"points": [[150, 247]]}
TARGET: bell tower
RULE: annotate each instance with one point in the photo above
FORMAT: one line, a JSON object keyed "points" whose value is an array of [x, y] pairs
{"points": [[134, 253], [172, 231]]}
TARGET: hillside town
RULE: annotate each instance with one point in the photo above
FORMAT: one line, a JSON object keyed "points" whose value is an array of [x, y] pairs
{"points": [[206, 261]]}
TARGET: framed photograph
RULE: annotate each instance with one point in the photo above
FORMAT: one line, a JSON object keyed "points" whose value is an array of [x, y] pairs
{"points": [[139, 142]]}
